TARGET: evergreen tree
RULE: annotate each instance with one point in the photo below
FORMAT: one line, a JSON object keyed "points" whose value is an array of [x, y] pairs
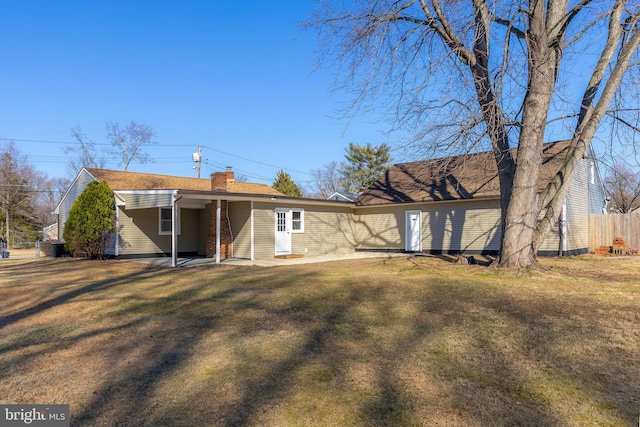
{"points": [[91, 225], [364, 164], [19, 221], [285, 185]]}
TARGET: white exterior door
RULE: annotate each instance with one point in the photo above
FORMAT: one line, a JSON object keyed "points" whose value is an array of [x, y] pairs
{"points": [[283, 232], [413, 225]]}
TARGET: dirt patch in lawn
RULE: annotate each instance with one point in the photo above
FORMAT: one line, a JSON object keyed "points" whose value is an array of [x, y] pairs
{"points": [[403, 341]]}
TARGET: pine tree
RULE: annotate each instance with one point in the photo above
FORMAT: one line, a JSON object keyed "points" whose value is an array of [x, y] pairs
{"points": [[18, 219], [364, 164], [285, 185], [91, 225]]}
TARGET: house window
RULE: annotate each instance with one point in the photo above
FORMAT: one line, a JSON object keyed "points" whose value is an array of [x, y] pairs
{"points": [[297, 220], [165, 222]]}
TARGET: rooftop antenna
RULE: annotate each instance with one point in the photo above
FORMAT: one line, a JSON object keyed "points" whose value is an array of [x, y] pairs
{"points": [[197, 157]]}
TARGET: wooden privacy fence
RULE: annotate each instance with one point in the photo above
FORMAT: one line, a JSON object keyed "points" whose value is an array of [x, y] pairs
{"points": [[603, 228]]}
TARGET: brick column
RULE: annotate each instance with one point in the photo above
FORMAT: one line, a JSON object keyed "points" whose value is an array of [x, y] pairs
{"points": [[226, 245]]}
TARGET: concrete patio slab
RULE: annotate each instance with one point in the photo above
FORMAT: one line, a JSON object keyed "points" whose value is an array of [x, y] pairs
{"points": [[196, 261]]}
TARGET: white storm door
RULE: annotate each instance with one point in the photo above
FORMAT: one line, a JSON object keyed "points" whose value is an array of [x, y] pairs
{"points": [[283, 232], [413, 225]]}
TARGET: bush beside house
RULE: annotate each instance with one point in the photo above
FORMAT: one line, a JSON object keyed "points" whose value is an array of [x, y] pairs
{"points": [[92, 222]]}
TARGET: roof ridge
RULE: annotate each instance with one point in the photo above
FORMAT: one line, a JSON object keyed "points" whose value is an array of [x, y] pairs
{"points": [[545, 146], [142, 173]]}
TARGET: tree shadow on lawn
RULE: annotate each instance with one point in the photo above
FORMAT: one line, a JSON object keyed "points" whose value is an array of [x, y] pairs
{"points": [[65, 297], [328, 329], [298, 345]]}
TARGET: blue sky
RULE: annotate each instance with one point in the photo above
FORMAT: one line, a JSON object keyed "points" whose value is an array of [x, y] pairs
{"points": [[235, 77]]}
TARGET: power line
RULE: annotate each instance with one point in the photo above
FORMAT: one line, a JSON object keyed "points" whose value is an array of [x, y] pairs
{"points": [[242, 171], [254, 161], [65, 159]]}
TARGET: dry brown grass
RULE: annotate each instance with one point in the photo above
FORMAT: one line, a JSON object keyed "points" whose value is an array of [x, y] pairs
{"points": [[401, 341]]}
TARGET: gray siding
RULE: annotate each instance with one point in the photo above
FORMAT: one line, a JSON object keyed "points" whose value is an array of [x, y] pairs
{"points": [[597, 194], [462, 227], [142, 201], [326, 231], [578, 208], [472, 227], [207, 215], [265, 232], [77, 187], [240, 219], [189, 238], [551, 245], [139, 232], [380, 228]]}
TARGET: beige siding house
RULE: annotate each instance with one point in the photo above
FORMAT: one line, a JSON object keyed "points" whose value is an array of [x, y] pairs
{"points": [[215, 217], [441, 206], [452, 206]]}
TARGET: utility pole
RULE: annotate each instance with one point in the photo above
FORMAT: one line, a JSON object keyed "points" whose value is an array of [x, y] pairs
{"points": [[197, 157]]}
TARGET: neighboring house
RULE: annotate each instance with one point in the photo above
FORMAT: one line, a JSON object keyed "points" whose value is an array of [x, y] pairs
{"points": [[50, 232], [217, 217], [341, 197], [438, 206], [452, 205]]}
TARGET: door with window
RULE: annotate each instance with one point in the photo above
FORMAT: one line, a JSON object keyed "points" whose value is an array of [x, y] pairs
{"points": [[413, 225], [283, 231]]}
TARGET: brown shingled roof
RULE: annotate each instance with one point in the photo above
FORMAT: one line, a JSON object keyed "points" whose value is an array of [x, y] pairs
{"points": [[120, 180], [471, 176]]}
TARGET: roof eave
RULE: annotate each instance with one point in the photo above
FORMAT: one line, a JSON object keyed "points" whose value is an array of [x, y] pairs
{"points": [[427, 202], [271, 198]]}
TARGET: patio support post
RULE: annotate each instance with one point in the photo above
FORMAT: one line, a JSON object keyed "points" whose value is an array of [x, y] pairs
{"points": [[174, 230], [217, 231]]}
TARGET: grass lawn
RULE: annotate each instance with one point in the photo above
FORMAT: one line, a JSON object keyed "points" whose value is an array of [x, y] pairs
{"points": [[379, 341]]}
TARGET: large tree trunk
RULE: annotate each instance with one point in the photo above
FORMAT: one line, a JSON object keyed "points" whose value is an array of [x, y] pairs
{"points": [[491, 111], [393, 43], [523, 209], [590, 115]]}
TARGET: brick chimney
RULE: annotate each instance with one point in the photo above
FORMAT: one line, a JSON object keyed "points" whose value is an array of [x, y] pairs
{"points": [[222, 180]]}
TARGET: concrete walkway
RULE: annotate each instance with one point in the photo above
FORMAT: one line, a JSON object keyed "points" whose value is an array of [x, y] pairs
{"points": [[320, 258], [195, 261]]}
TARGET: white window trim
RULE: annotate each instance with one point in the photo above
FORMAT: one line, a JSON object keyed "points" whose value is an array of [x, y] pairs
{"points": [[301, 220], [160, 231]]}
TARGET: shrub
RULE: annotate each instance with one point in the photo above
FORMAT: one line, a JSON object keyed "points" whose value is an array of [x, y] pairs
{"points": [[91, 225]]}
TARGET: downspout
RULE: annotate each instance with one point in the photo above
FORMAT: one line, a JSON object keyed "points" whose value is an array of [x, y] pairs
{"points": [[230, 229], [117, 248], [563, 229], [174, 228]]}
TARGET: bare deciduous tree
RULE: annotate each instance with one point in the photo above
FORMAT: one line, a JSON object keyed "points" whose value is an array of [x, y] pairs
{"points": [[124, 143], [623, 187], [501, 74], [128, 142], [87, 154], [326, 181]]}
